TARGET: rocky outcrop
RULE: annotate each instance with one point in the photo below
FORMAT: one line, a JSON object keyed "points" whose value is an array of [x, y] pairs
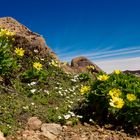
{"points": [[25, 38], [81, 63]]}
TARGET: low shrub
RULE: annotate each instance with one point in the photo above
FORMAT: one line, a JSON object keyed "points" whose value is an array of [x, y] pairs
{"points": [[8, 64], [114, 98]]}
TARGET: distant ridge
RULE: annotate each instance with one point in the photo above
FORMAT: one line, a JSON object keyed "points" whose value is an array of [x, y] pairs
{"points": [[136, 72]]}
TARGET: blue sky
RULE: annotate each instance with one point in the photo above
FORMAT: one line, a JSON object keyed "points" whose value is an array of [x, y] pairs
{"points": [[105, 31]]}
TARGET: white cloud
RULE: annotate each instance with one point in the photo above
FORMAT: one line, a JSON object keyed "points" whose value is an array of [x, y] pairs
{"points": [[122, 64], [102, 54]]}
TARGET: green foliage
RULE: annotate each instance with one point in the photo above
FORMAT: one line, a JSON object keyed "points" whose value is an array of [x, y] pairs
{"points": [[116, 99], [8, 64], [39, 87], [84, 77], [74, 120], [33, 74]]}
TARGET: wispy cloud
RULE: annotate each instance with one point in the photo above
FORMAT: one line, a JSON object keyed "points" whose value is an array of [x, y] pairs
{"points": [[122, 64], [103, 54], [116, 53], [74, 53]]}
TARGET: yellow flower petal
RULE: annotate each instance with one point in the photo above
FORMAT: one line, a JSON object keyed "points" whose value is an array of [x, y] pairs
{"points": [[117, 102], [54, 63], [19, 51], [84, 89], [131, 97], [115, 92], [37, 66], [117, 72], [103, 77]]}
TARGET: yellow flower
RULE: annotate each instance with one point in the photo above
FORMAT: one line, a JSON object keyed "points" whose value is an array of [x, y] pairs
{"points": [[117, 71], [114, 92], [19, 51], [37, 66], [54, 63], [131, 97], [103, 77], [84, 89], [13, 39], [116, 102], [90, 67]]}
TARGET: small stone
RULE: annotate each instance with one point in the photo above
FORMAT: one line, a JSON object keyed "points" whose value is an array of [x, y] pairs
{"points": [[35, 137], [84, 138], [51, 130], [34, 123], [27, 133], [86, 124], [106, 137], [2, 136], [64, 127], [116, 138], [75, 137], [92, 137], [49, 135]]}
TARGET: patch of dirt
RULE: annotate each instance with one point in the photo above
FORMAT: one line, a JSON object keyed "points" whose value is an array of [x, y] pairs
{"points": [[77, 132], [89, 132]]}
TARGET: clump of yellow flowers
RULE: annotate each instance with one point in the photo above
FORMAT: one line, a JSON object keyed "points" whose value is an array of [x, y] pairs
{"points": [[103, 77], [37, 66], [4, 32], [118, 102], [54, 63], [19, 51], [131, 97], [117, 71], [84, 89], [90, 67], [115, 100]]}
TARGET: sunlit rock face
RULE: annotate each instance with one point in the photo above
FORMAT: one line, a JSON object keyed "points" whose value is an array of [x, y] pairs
{"points": [[25, 38], [81, 64]]}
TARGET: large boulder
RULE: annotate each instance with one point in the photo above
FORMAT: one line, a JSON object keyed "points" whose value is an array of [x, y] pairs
{"points": [[80, 64], [25, 38]]}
